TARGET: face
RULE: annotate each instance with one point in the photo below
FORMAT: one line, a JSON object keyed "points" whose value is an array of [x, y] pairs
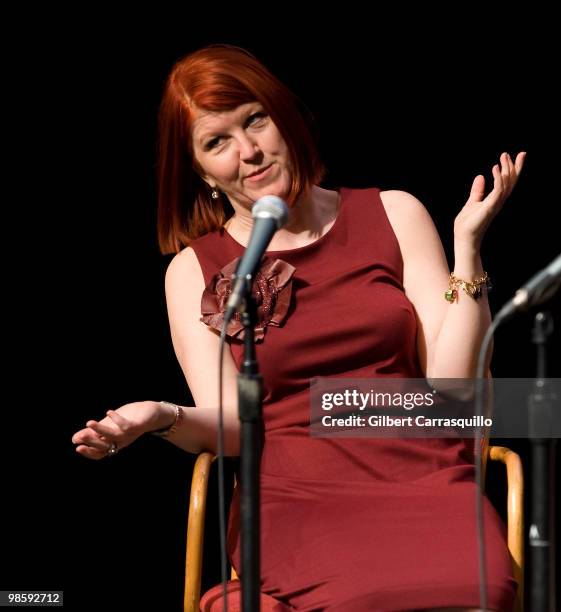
{"points": [[242, 153]]}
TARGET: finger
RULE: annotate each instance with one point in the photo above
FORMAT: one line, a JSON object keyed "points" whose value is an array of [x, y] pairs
{"points": [[90, 453], [515, 169], [506, 175], [103, 430], [495, 195], [93, 440], [80, 436], [505, 168], [519, 162], [477, 189], [119, 420], [77, 437], [512, 174], [498, 178], [510, 163]]}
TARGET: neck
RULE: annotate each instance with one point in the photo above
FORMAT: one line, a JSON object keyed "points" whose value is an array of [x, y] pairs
{"points": [[301, 217], [309, 218]]}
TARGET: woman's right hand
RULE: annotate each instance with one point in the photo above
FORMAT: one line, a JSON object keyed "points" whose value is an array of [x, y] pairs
{"points": [[120, 427]]}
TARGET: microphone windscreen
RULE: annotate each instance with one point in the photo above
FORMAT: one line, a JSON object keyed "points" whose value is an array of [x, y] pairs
{"points": [[271, 207]]}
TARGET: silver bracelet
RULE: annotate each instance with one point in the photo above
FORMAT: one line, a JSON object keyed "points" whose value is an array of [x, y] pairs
{"points": [[164, 433]]}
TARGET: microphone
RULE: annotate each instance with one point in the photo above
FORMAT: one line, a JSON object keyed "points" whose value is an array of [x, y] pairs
{"points": [[270, 213], [537, 290]]}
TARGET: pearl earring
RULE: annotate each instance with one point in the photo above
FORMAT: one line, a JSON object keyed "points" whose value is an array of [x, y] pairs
{"points": [[214, 194]]}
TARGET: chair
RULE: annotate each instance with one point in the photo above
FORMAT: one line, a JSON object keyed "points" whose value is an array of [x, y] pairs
{"points": [[196, 519]]}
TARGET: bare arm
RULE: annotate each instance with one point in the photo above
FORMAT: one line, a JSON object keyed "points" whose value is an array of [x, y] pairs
{"points": [[450, 334], [197, 350]]}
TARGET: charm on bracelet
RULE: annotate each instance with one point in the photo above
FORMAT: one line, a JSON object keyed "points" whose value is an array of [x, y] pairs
{"points": [[471, 288]]}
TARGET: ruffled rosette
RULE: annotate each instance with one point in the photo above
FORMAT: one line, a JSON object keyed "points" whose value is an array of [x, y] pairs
{"points": [[272, 291]]}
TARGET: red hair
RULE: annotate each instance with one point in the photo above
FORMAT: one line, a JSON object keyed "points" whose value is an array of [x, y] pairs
{"points": [[219, 78]]}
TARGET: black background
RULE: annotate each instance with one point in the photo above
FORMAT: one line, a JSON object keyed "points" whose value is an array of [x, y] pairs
{"points": [[399, 105]]}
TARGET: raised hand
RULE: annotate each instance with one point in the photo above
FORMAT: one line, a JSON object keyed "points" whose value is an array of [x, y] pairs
{"points": [[475, 217]]}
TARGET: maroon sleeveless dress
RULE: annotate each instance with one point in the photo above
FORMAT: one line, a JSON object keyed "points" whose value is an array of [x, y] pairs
{"points": [[352, 524]]}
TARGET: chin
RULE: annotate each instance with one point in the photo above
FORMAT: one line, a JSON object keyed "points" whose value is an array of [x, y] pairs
{"points": [[280, 190]]}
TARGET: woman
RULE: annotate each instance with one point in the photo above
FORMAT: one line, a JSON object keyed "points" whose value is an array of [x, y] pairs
{"points": [[352, 286]]}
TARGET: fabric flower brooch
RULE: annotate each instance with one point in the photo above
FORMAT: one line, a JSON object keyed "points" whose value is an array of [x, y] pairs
{"points": [[272, 290]]}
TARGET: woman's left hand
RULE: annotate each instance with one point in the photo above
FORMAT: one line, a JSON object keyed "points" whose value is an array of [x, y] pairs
{"points": [[475, 217]]}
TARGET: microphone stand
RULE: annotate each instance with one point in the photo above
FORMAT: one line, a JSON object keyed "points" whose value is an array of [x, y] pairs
{"points": [[250, 401], [541, 534]]}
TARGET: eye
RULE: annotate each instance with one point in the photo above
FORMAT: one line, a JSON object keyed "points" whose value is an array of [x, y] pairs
{"points": [[211, 144], [256, 117]]}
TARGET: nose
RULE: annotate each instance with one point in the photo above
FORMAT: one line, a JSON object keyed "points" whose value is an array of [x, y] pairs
{"points": [[249, 148]]}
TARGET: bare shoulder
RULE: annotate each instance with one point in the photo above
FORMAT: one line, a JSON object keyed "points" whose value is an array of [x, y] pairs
{"points": [[408, 217], [403, 208], [185, 259], [184, 286], [184, 269], [414, 228]]}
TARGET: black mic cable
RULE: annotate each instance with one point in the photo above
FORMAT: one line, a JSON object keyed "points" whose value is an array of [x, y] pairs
{"points": [[479, 437], [221, 486]]}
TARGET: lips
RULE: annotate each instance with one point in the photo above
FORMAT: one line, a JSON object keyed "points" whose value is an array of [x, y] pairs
{"points": [[257, 173]]}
